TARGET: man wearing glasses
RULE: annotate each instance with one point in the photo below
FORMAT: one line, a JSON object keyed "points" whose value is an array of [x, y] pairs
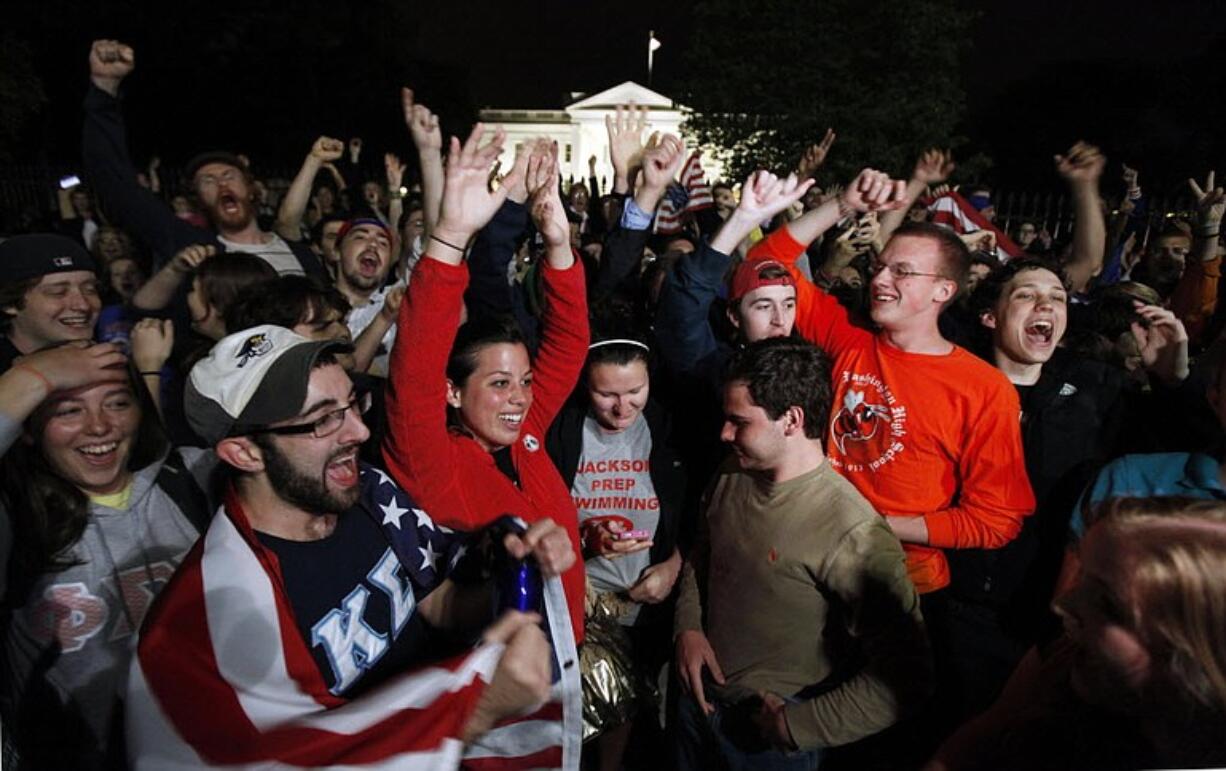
{"points": [[929, 433], [295, 631]]}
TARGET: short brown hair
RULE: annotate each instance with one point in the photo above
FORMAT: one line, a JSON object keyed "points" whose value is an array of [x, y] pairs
{"points": [[955, 257]]}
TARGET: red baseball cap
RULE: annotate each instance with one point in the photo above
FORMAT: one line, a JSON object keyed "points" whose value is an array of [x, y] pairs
{"points": [[748, 277]]}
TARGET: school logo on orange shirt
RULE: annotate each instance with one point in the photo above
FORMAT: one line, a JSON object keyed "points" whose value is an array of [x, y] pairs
{"points": [[858, 421], [868, 430]]}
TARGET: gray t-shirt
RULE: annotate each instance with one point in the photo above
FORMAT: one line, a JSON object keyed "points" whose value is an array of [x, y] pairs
{"points": [[614, 479]]}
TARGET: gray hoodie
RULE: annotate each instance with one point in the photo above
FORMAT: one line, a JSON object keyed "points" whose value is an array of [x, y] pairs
{"points": [[67, 645]]}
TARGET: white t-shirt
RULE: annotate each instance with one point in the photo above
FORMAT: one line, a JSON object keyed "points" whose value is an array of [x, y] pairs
{"points": [[274, 251], [360, 318]]}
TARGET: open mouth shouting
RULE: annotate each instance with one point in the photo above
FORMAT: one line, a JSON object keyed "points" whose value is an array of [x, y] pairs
{"points": [[1039, 332], [369, 263], [342, 470]]}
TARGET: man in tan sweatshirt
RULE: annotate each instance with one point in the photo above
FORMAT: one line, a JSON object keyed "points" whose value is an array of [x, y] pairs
{"points": [[795, 598]]}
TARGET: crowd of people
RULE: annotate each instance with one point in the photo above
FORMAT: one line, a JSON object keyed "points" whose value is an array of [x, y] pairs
{"points": [[482, 469]]}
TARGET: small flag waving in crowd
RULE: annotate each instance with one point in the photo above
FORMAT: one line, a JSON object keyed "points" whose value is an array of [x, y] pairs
{"points": [[692, 194], [956, 213]]}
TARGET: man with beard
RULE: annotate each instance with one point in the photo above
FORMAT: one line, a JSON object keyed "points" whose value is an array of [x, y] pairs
{"points": [[295, 630], [221, 182], [364, 246]]}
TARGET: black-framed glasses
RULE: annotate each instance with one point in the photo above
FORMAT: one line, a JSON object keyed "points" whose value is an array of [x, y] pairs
{"points": [[898, 271], [322, 427]]}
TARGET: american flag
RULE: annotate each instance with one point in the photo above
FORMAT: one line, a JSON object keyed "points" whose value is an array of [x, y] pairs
{"points": [[955, 212], [692, 194], [223, 677]]}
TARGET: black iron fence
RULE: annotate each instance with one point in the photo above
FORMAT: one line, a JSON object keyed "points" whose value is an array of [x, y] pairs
{"points": [[1054, 212]]}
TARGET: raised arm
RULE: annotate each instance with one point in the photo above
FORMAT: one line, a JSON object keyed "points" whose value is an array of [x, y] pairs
{"points": [[564, 321], [623, 246], [33, 378], [1081, 168], [932, 168], [294, 204], [158, 292], [109, 167], [1195, 297], [684, 332], [423, 126], [416, 446]]}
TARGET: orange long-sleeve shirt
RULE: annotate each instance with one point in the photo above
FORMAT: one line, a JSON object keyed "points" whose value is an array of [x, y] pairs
{"points": [[932, 436]]}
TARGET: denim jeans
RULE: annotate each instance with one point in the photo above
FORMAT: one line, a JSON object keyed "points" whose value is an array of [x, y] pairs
{"points": [[712, 743]]}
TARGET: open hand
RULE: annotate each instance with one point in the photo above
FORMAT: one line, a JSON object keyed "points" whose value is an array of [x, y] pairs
{"points": [[548, 214], [934, 166], [468, 203], [76, 364], [625, 129], [693, 652]]}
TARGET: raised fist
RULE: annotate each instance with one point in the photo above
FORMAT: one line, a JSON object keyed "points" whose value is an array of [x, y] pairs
{"points": [[327, 149], [1083, 163], [109, 63]]}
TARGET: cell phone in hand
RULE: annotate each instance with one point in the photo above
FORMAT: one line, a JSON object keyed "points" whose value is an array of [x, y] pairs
{"points": [[634, 535], [72, 180]]}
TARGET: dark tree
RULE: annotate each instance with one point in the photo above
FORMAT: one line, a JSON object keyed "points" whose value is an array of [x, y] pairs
{"points": [[765, 79]]}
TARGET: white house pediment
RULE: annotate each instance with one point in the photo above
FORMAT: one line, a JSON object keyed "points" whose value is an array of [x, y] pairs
{"points": [[623, 93]]}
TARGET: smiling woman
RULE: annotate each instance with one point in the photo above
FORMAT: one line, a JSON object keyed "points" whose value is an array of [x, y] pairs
{"points": [[94, 518]]}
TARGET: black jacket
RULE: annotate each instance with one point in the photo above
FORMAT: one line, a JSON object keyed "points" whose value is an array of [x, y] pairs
{"points": [[1071, 420], [564, 443], [104, 148]]}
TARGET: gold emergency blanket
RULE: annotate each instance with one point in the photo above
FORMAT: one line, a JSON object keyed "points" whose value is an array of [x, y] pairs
{"points": [[606, 666]]}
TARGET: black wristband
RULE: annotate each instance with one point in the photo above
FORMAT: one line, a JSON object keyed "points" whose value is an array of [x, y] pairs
{"points": [[446, 243], [153, 372]]}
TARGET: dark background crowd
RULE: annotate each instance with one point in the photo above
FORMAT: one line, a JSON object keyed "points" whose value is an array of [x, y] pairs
{"points": [[817, 464]]}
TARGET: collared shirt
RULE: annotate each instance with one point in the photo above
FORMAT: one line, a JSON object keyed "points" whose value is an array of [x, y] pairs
{"points": [[1190, 475], [634, 218]]}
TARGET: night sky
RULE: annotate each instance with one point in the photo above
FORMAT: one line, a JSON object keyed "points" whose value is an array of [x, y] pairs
{"points": [[1142, 79]]}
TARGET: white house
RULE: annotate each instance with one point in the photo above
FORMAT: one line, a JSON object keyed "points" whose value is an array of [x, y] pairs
{"points": [[579, 129]]}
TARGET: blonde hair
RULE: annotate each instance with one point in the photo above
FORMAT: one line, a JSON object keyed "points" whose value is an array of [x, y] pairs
{"points": [[1174, 552]]}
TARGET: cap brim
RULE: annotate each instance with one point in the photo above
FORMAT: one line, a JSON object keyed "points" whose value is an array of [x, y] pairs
{"points": [[282, 392]]}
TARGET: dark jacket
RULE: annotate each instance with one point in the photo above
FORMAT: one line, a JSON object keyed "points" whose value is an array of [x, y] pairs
{"points": [[1070, 426], [104, 148]]}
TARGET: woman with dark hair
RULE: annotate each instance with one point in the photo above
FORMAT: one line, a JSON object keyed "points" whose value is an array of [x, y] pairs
{"points": [[613, 446], [94, 517], [468, 411]]}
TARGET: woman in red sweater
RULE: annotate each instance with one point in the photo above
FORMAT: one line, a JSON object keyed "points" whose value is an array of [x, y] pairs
{"points": [[467, 412]]}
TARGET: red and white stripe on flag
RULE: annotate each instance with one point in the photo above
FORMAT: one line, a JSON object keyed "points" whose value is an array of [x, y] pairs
{"points": [[695, 183], [222, 677], [955, 212]]}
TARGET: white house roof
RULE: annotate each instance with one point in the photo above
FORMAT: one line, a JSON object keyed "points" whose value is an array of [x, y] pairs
{"points": [[623, 94]]}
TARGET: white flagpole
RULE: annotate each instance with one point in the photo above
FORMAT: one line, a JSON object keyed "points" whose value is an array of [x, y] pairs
{"points": [[652, 45]]}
